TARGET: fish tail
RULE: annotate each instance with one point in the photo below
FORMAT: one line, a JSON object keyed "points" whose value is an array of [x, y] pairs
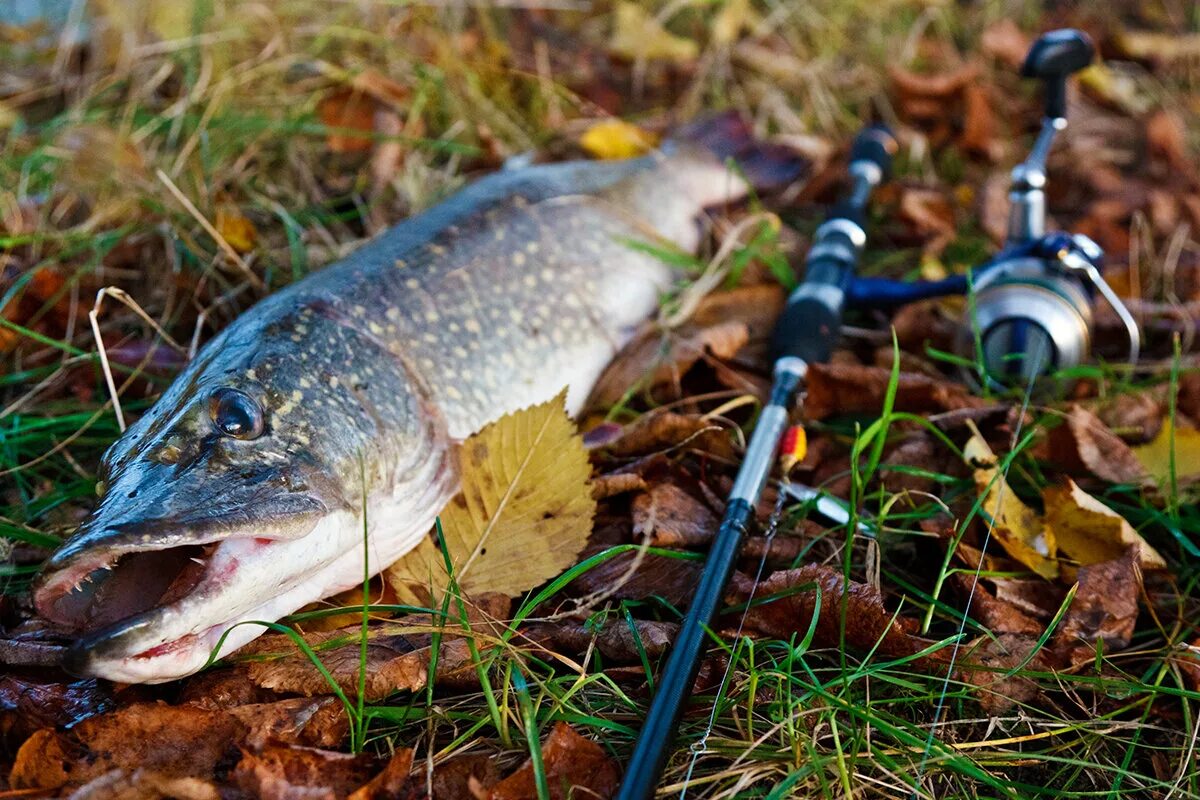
{"points": [[765, 165]]}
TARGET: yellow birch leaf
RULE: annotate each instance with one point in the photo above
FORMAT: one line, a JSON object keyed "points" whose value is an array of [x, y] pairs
{"points": [[1091, 532], [1156, 456], [614, 138], [523, 515], [637, 36], [236, 229], [734, 17], [1015, 525]]}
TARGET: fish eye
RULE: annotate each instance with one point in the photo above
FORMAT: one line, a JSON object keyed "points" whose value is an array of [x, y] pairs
{"points": [[235, 413]]}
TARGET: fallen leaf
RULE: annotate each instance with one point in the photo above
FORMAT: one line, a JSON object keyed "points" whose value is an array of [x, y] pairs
{"points": [[784, 604], [734, 17], [929, 213], [142, 784], [852, 389], [397, 660], [310, 721], [522, 516], [661, 430], [284, 773], [464, 776], [636, 576], [349, 115], [176, 741], [1173, 451], [1015, 525], [604, 486], [657, 358], [391, 781], [1005, 42], [990, 661], [238, 231], [616, 639], [27, 704], [1189, 664], [979, 124], [993, 613], [574, 766], [639, 36], [616, 139], [1085, 444], [670, 517], [1104, 609], [1090, 532]]}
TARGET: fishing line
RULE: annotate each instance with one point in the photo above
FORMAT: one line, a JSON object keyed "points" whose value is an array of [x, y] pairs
{"points": [[700, 746], [966, 613]]}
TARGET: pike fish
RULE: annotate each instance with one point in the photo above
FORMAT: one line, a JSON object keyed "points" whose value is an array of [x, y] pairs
{"points": [[240, 495]]}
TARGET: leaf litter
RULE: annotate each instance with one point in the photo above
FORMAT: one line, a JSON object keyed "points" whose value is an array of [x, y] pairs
{"points": [[1093, 521]]}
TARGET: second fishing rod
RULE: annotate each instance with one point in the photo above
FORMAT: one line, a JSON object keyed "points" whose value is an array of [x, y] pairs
{"points": [[805, 333]]}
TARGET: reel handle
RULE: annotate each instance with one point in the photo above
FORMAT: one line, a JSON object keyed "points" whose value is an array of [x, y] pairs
{"points": [[1052, 58]]}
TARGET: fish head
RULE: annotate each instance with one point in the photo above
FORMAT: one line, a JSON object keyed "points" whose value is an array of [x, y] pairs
{"points": [[238, 490]]}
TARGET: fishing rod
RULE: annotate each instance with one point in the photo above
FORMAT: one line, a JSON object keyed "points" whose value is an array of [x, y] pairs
{"points": [[805, 334]]}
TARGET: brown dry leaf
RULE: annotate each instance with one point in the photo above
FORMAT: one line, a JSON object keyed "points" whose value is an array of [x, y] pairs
{"points": [[940, 86], [929, 213], [1173, 451], [995, 614], [852, 389], [660, 430], [575, 766], [1015, 525], [522, 516], [615, 139], [671, 517], [1166, 137], [27, 704], [1038, 598], [350, 116], [979, 123], [660, 358], [639, 36], [988, 665], [176, 741], [868, 622], [1005, 42], [672, 579], [391, 781], [141, 784], [1105, 608], [397, 660], [1089, 531], [465, 776], [236, 229], [288, 773], [1189, 664], [604, 486], [1085, 443], [310, 721], [615, 640]]}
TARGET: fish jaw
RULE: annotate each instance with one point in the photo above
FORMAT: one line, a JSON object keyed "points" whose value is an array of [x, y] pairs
{"points": [[248, 579]]}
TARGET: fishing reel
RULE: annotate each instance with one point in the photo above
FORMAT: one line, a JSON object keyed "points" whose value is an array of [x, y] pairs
{"points": [[1031, 314]]}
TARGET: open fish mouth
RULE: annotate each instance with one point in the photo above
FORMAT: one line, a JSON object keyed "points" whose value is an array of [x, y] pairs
{"points": [[151, 613], [140, 614]]}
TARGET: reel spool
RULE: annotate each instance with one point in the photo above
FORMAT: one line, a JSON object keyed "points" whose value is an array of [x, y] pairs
{"points": [[1032, 313]]}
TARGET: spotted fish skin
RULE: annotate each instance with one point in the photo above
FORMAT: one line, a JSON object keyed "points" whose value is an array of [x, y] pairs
{"points": [[364, 375]]}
